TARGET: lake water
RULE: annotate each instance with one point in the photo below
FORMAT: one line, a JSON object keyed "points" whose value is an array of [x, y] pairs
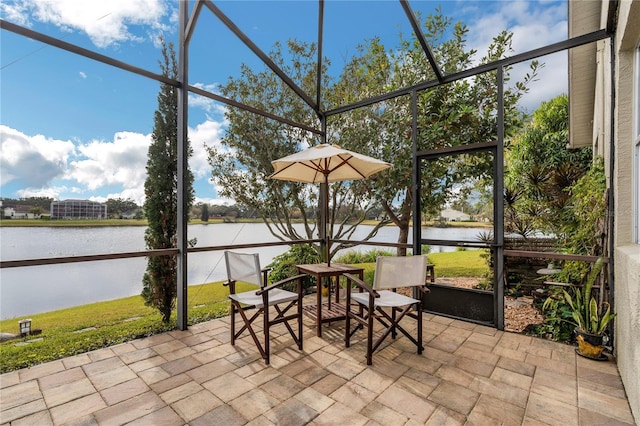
{"points": [[30, 290]]}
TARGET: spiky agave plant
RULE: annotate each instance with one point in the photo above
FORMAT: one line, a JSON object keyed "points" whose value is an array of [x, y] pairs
{"points": [[587, 315]]}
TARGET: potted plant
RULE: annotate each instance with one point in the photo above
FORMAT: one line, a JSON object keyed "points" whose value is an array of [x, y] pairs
{"points": [[591, 320]]}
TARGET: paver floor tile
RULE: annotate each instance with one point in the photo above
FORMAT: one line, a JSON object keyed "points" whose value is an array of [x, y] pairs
{"points": [[500, 411], [328, 384], [180, 392], [61, 378], [517, 365], [454, 397], [107, 379], [592, 417], [162, 417], [555, 385], [406, 403], [473, 366], [17, 412], [68, 392], [196, 405], [353, 396], [170, 383], [500, 390], [610, 406], [41, 418], [383, 415], [77, 408], [41, 371], [228, 386], [124, 391], [291, 412], [211, 370], [417, 387], [222, 415], [445, 416], [315, 399], [252, 404], [339, 414], [551, 411], [21, 393], [282, 387], [130, 409], [511, 378], [372, 380]]}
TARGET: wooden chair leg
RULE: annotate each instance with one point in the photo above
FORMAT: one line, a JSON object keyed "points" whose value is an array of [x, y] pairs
{"points": [[233, 324], [266, 334], [370, 336], [420, 348]]}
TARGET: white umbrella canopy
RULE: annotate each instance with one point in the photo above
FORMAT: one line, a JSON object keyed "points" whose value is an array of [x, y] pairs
{"points": [[326, 163]]}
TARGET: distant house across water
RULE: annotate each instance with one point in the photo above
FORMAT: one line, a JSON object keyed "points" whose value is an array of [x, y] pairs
{"points": [[78, 209], [450, 215], [20, 212]]}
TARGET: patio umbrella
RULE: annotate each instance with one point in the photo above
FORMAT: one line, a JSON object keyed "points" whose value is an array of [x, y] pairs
{"points": [[326, 163]]}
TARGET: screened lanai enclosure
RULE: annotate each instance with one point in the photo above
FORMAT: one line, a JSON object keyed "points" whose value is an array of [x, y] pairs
{"points": [[442, 163]]}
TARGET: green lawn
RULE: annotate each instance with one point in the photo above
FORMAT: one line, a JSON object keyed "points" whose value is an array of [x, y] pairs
{"points": [[84, 328]]}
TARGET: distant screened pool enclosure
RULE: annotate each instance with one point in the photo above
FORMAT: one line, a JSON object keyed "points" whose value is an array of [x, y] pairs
{"points": [[491, 304], [78, 209]]}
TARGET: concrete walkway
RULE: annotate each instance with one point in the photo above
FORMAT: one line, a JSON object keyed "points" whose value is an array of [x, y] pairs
{"points": [[468, 374]]}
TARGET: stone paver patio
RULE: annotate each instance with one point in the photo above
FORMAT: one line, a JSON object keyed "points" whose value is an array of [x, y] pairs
{"points": [[468, 374]]}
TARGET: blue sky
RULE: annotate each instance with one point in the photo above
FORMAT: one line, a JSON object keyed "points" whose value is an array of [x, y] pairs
{"points": [[75, 128]]}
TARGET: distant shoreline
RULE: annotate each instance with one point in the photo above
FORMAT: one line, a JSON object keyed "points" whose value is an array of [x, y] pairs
{"points": [[141, 222]]}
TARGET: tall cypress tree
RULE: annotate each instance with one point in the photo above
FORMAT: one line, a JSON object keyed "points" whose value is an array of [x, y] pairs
{"points": [[161, 189]]}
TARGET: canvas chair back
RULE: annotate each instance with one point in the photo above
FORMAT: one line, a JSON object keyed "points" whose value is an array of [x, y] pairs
{"points": [[244, 267], [400, 271]]}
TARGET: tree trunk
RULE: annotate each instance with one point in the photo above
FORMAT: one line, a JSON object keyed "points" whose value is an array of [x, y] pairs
{"points": [[401, 220]]}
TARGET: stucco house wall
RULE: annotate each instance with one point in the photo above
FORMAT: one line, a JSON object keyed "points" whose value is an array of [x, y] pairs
{"points": [[626, 253]]}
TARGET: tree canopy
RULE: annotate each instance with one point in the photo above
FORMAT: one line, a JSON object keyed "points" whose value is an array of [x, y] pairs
{"points": [[458, 113], [161, 189]]}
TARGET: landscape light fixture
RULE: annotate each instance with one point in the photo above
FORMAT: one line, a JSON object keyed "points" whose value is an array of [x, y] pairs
{"points": [[25, 327]]}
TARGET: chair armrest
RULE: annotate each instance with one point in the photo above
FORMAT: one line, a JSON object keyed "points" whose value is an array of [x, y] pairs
{"points": [[280, 283], [360, 284], [232, 286], [423, 289]]}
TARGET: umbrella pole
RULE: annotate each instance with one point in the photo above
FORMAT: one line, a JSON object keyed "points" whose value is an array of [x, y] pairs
{"points": [[326, 218]]}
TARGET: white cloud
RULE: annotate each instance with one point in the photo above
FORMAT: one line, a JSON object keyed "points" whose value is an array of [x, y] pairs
{"points": [[35, 160], [106, 23], [119, 162], [533, 25], [206, 134]]}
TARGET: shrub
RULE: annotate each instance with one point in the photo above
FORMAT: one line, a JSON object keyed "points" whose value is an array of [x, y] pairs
{"points": [[284, 265]]}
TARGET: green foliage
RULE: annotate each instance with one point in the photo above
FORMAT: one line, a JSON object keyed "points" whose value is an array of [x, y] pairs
{"points": [[204, 214], [584, 227], [43, 202], [455, 114], [541, 170], [586, 314], [117, 206], [161, 192], [353, 257], [558, 315], [284, 265]]}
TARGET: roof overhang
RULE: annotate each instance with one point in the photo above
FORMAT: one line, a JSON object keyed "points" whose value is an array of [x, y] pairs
{"points": [[584, 17]]}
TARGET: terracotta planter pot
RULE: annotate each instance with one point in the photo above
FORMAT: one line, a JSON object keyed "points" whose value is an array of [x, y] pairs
{"points": [[589, 345]]}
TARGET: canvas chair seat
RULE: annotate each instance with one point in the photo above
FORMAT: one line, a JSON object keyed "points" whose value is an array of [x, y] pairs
{"points": [[257, 303], [276, 296], [387, 298], [383, 305]]}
